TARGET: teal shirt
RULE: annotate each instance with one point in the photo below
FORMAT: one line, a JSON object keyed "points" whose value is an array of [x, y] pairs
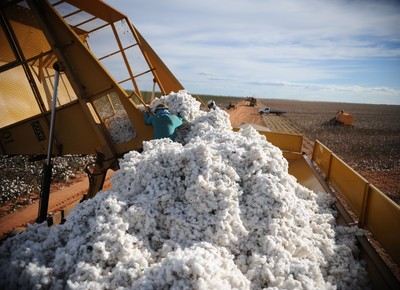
{"points": [[163, 125]]}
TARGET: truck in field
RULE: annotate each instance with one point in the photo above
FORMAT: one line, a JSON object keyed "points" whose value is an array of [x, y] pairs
{"points": [[268, 110]]}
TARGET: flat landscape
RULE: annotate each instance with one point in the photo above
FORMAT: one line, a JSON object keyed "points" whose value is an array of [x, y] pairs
{"points": [[371, 146]]}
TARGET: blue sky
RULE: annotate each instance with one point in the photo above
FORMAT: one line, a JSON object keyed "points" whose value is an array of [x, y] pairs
{"points": [[333, 50]]}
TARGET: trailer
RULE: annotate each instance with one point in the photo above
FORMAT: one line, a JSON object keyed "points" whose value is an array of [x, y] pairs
{"points": [[268, 110], [60, 93]]}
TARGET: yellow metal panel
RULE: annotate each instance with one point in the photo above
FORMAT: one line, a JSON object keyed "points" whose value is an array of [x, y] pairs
{"points": [[291, 156], [383, 220], [378, 213], [29, 137], [73, 133], [6, 53], [288, 142], [300, 169], [99, 9], [17, 101], [322, 157], [284, 141], [349, 183], [32, 41]]}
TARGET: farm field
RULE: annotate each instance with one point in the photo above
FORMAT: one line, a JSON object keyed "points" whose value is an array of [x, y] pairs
{"points": [[371, 146]]}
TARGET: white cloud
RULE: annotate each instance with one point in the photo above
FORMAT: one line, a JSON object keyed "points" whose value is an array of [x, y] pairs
{"points": [[240, 41]]}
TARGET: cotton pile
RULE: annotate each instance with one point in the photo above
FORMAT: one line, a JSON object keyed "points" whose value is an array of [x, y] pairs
{"points": [[120, 127], [215, 210]]}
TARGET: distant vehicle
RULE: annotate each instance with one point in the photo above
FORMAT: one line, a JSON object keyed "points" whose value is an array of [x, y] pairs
{"points": [[268, 110], [230, 106], [343, 118], [252, 101]]}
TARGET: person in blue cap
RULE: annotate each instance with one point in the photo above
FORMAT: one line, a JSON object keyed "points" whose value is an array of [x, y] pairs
{"points": [[164, 123]]}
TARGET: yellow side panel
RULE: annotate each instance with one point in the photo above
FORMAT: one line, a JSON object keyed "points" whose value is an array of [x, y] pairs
{"points": [[322, 157], [383, 220], [287, 142], [375, 210], [300, 169], [16, 99], [73, 133], [349, 183], [284, 141], [29, 137]]}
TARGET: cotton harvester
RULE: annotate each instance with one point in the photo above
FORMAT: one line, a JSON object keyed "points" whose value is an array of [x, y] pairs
{"points": [[47, 50], [63, 66], [343, 118]]}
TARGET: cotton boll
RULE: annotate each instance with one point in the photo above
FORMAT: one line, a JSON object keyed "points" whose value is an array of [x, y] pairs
{"points": [[201, 265], [181, 104], [35, 275], [120, 127], [217, 209], [85, 277]]}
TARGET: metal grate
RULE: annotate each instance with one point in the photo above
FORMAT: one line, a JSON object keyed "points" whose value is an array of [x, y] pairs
{"points": [[44, 79], [29, 81], [115, 46], [115, 118], [31, 39]]}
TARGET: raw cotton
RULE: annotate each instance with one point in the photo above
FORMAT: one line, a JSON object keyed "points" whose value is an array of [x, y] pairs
{"points": [[120, 127], [216, 210]]}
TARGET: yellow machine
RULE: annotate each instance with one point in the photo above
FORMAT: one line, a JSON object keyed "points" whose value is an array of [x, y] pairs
{"points": [[344, 118], [38, 38], [61, 92]]}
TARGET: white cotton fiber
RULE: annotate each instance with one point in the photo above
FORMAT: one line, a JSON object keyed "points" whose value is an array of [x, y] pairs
{"points": [[216, 210], [120, 127]]}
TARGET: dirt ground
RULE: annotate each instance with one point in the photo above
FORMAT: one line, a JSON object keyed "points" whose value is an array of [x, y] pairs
{"points": [[61, 196], [244, 114]]}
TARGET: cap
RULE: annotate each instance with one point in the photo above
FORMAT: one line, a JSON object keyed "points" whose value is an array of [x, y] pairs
{"points": [[161, 106]]}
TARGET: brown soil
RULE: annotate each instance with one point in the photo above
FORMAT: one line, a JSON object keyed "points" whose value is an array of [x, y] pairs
{"points": [[61, 196], [244, 114]]}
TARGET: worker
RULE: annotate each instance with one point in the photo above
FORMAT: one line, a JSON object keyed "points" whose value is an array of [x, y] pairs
{"points": [[164, 123], [211, 105]]}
